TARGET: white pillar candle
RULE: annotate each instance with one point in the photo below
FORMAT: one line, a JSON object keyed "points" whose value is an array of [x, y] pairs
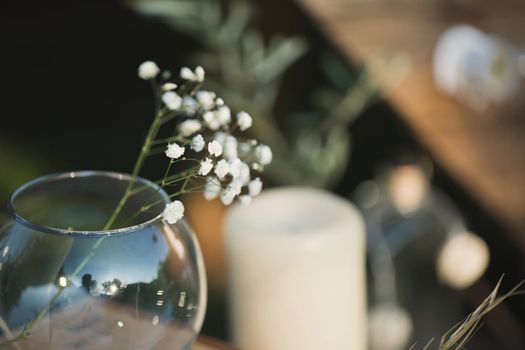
{"points": [[296, 260]]}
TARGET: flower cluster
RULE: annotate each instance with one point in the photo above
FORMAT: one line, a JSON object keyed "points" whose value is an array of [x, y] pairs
{"points": [[207, 136]]}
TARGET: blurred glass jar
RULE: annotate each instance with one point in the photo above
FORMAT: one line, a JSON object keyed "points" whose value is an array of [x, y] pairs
{"points": [[477, 68], [64, 284]]}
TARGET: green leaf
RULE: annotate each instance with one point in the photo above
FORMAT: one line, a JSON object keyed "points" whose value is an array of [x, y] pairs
{"points": [[281, 54], [236, 23]]}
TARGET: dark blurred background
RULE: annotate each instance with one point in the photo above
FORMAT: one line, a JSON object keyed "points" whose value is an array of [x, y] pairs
{"points": [[71, 100]]}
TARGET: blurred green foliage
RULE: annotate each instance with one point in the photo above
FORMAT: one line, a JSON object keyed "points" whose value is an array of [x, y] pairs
{"points": [[310, 148], [20, 164]]}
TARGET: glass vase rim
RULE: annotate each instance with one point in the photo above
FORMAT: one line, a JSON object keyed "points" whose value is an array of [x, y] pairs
{"points": [[84, 174]]}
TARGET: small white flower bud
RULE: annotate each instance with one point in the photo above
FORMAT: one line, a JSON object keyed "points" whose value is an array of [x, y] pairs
{"points": [[235, 167], [245, 199], [189, 127], [215, 148], [206, 99], [222, 169], [220, 137], [169, 86], [244, 174], [148, 70], [172, 100], [264, 154], [199, 74], [187, 74], [212, 189], [211, 120], [244, 120], [229, 147], [235, 186], [189, 105], [227, 197], [197, 143], [223, 114], [255, 187]]}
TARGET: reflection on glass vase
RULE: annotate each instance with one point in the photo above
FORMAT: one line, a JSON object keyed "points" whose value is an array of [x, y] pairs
{"points": [[66, 285]]}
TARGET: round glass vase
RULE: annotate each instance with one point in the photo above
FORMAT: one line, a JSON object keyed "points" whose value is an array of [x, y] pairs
{"points": [[67, 284]]}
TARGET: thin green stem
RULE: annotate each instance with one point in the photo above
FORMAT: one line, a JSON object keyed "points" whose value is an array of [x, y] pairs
{"points": [[185, 178], [9, 335], [163, 182], [169, 178], [169, 115], [170, 139], [179, 176], [152, 133], [186, 182]]}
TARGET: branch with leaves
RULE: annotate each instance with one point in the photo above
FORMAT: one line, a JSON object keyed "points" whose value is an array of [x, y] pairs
{"points": [[312, 149]]}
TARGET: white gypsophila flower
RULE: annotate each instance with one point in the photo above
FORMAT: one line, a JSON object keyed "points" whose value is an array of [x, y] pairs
{"points": [[215, 148], [229, 147], [148, 70], [188, 74], [173, 212], [222, 168], [233, 189], [189, 105], [235, 167], [244, 148], [169, 86], [212, 188], [220, 137], [244, 120], [263, 154], [206, 99], [235, 186], [224, 115], [245, 199], [172, 100], [197, 143], [206, 166], [199, 73], [255, 187], [189, 127], [174, 151], [227, 196], [211, 120], [244, 174], [219, 102]]}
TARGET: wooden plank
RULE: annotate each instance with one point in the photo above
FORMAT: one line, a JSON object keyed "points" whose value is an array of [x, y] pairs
{"points": [[207, 343], [485, 152]]}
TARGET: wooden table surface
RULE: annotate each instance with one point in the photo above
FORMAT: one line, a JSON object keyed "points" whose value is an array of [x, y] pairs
{"points": [[484, 152], [207, 343]]}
